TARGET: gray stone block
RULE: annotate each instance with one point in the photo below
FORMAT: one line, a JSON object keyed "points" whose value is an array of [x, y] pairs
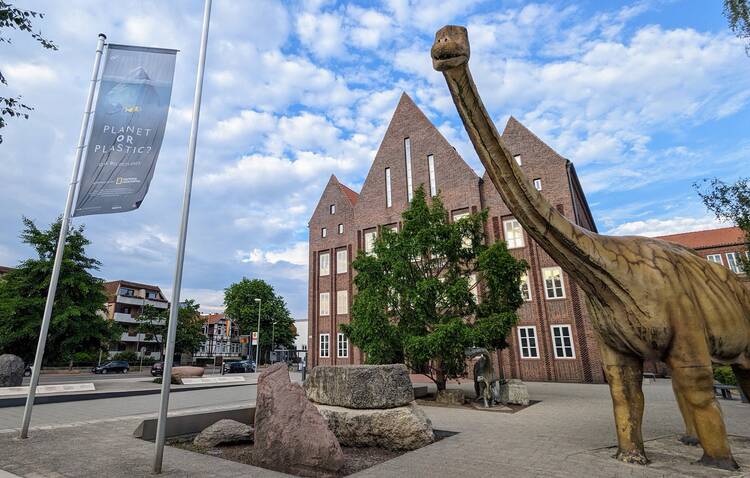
{"points": [[222, 432], [360, 386], [514, 391], [11, 370]]}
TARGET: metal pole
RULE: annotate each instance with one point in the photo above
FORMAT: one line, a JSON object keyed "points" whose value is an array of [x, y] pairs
{"points": [[46, 318], [273, 342], [177, 284], [257, 345]]}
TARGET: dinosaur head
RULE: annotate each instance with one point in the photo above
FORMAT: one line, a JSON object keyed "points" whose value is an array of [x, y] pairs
{"points": [[451, 48]]}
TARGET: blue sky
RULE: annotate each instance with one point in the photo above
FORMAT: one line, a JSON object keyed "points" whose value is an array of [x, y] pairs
{"points": [[645, 97]]}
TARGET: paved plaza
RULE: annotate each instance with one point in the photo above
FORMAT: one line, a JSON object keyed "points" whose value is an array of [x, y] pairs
{"points": [[566, 434]]}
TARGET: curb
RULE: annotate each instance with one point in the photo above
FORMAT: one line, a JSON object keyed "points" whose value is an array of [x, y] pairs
{"points": [[76, 397]]}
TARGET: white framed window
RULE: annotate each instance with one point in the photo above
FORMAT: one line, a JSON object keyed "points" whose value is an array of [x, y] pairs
{"points": [[407, 158], [323, 232], [733, 262], [388, 197], [562, 338], [538, 184], [370, 237], [332, 208], [517, 157], [341, 228], [525, 287], [513, 233], [715, 258], [431, 169], [466, 241], [342, 259], [553, 283], [342, 346], [527, 340], [325, 342], [325, 264], [325, 303], [342, 302]]}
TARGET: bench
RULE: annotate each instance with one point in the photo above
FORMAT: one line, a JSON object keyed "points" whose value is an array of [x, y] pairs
{"points": [[724, 390]]}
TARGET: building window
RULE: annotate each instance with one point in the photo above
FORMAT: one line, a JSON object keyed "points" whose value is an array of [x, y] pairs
{"points": [[562, 337], [325, 264], [553, 283], [466, 240], [324, 344], [388, 198], [341, 228], [513, 234], [715, 258], [342, 346], [518, 159], [332, 208], [525, 289], [325, 303], [527, 339], [342, 302], [733, 262], [323, 232], [370, 241], [431, 169], [342, 261], [538, 184], [407, 155], [127, 292], [151, 294]]}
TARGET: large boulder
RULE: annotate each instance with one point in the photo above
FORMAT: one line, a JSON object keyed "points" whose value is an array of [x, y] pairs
{"points": [[178, 373], [290, 433], [400, 428], [451, 396], [11, 370], [514, 391], [360, 386], [224, 432]]}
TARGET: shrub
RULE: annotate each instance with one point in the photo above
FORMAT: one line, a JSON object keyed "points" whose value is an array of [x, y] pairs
{"points": [[725, 375], [128, 356]]}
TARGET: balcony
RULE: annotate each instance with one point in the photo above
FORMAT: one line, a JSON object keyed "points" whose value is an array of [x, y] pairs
{"points": [[125, 318], [125, 337], [133, 300], [157, 303]]}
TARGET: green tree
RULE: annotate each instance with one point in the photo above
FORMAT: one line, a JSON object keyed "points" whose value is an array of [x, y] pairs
{"points": [[415, 301], [152, 322], [738, 14], [240, 305], [78, 324], [729, 202], [17, 19]]}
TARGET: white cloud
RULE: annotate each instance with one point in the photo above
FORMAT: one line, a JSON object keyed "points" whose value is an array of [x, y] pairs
{"points": [[295, 254], [663, 227], [321, 33], [370, 28], [28, 74], [248, 124]]}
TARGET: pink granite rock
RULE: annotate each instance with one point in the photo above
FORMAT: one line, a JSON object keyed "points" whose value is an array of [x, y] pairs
{"points": [[290, 433], [178, 373]]}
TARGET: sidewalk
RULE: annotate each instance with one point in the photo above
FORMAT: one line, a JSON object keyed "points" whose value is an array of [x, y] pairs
{"points": [[565, 435]]}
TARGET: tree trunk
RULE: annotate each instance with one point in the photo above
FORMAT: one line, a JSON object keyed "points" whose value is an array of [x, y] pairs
{"points": [[440, 379]]}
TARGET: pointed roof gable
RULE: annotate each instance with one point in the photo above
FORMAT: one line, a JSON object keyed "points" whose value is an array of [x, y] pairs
{"points": [[352, 196], [335, 187], [520, 137]]}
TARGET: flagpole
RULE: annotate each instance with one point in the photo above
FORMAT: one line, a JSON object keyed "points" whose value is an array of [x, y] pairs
{"points": [[39, 355], [177, 283]]}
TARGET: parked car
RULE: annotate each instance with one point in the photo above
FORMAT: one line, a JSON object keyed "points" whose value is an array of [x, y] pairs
{"points": [[115, 366], [241, 366], [157, 369]]}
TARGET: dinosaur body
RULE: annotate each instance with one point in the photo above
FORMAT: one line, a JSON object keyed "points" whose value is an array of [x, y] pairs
{"points": [[648, 299]]}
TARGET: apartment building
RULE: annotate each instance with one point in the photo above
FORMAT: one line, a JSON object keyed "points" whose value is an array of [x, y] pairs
{"points": [[554, 339], [125, 302], [222, 337]]}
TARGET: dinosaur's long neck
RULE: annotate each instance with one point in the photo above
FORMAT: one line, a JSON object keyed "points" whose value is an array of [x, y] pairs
{"points": [[569, 245]]}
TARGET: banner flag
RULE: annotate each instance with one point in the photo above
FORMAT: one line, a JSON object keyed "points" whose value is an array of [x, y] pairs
{"points": [[129, 121]]}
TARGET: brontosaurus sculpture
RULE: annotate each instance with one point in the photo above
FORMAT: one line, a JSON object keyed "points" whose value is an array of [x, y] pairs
{"points": [[486, 381], [648, 299]]}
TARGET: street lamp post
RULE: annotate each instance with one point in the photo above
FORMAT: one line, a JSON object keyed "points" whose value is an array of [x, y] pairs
{"points": [[257, 346]]}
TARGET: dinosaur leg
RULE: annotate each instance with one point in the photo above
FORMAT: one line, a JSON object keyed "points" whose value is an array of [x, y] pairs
{"points": [[625, 375], [691, 436], [693, 377], [743, 378]]}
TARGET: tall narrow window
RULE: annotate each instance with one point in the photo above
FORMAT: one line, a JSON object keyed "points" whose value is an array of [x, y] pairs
{"points": [[341, 261], [370, 241], [525, 289], [407, 156], [553, 283], [325, 303], [325, 264], [323, 232], [324, 345], [562, 337], [527, 339], [715, 258], [342, 302], [332, 208], [388, 199], [513, 233], [431, 168], [518, 159], [342, 346], [538, 184], [733, 262], [341, 228]]}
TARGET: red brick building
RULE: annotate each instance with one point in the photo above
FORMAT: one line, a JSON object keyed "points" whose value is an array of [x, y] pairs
{"points": [[724, 246], [554, 339]]}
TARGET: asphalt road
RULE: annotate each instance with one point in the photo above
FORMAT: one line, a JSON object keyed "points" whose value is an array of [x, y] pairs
{"points": [[49, 379]]}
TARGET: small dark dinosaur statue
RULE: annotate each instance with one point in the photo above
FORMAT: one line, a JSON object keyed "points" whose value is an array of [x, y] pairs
{"points": [[648, 299], [486, 381]]}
